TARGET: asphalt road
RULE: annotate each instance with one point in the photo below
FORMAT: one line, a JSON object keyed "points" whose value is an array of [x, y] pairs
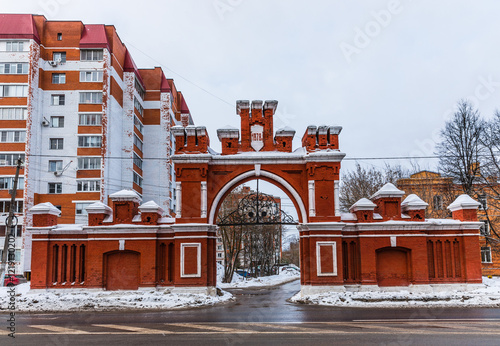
{"points": [[262, 317]]}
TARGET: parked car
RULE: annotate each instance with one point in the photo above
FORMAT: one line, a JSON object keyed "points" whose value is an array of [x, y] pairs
{"points": [[14, 279]]}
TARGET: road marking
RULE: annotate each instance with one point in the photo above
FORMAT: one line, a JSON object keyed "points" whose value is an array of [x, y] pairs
{"points": [[424, 320], [138, 330], [58, 329], [294, 328], [209, 327]]}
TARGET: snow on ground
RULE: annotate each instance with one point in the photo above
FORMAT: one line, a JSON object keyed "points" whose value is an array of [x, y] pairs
{"points": [[241, 282], [486, 296], [85, 300]]}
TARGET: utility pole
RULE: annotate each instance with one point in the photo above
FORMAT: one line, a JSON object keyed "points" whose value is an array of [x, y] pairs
{"points": [[10, 229]]}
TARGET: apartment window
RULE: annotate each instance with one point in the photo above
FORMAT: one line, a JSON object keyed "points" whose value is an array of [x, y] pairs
{"points": [[59, 57], [90, 119], [485, 254], [137, 142], [91, 97], [138, 106], [80, 208], [10, 90], [5, 207], [15, 46], [56, 143], [59, 36], [91, 76], [56, 121], [7, 183], [219, 247], [137, 161], [13, 113], [13, 68], [137, 179], [139, 88], [89, 141], [10, 159], [58, 78], [138, 124], [91, 54], [12, 136], [483, 200], [55, 165], [89, 163], [57, 100], [87, 185], [55, 187], [219, 255]]}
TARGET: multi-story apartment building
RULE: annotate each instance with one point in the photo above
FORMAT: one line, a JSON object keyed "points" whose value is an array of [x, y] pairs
{"points": [[439, 192], [83, 118]]}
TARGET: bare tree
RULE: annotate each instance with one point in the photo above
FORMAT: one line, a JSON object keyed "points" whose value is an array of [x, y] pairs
{"points": [[363, 182], [460, 148]]}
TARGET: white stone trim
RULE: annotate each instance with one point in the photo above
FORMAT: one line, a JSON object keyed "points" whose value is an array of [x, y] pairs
{"points": [[272, 176], [336, 195], [198, 260], [204, 199], [333, 244], [178, 193], [312, 198]]}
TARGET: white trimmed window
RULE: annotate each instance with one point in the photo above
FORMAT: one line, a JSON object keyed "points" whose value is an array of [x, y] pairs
{"points": [[137, 179], [12, 136], [12, 90], [13, 113], [91, 54], [80, 208], [137, 142], [138, 124], [137, 161], [7, 183], [5, 206], [90, 119], [56, 143], [89, 163], [59, 57], [91, 76], [13, 68], [486, 254], [15, 46], [138, 106], [58, 78], [10, 159], [56, 121], [485, 228], [88, 185], [91, 97], [89, 141], [55, 165], [55, 188], [57, 100], [140, 90]]}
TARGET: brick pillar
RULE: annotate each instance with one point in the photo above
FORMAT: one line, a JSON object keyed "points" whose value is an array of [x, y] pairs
{"points": [[45, 215], [464, 208], [98, 212], [150, 213], [125, 206]]}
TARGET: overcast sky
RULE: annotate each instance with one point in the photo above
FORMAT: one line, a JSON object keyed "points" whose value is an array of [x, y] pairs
{"points": [[389, 72]]}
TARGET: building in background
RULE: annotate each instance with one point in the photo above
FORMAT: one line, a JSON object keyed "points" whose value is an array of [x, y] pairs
{"points": [[439, 191], [83, 118]]}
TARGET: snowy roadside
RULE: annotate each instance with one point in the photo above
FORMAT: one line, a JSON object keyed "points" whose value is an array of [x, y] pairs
{"points": [[487, 296], [80, 300]]}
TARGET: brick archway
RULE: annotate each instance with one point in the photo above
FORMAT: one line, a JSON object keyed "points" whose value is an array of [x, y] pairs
{"points": [[393, 266], [122, 270]]}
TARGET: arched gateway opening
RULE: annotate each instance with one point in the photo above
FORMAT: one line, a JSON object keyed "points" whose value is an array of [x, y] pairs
{"points": [[309, 176]]}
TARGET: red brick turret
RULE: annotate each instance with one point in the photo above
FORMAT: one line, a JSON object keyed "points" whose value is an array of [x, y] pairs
{"points": [[45, 215], [464, 208], [388, 201], [125, 206], [150, 213]]}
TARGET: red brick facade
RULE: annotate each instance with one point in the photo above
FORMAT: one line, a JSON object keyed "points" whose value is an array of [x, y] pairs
{"points": [[383, 241]]}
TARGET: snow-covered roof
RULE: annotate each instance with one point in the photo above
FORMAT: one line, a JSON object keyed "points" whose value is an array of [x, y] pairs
{"points": [[285, 131], [151, 207], [228, 132], [464, 202], [348, 217], [388, 190], [363, 204], [98, 208], [45, 208], [413, 202], [125, 195]]}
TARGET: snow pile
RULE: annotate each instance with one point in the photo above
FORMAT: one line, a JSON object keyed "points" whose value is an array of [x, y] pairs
{"points": [[486, 296], [239, 281], [86, 300]]}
